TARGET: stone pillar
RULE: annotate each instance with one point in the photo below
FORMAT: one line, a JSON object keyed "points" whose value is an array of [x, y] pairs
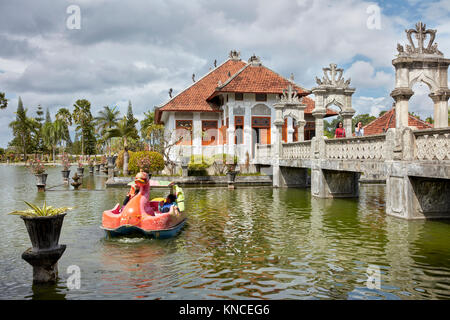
{"points": [[230, 131], [347, 115], [277, 150], [401, 97], [440, 108], [319, 114], [197, 135], [301, 130]]}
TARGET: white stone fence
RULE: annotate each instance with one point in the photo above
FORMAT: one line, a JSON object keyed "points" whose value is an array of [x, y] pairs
{"points": [[432, 145], [296, 150], [356, 148]]}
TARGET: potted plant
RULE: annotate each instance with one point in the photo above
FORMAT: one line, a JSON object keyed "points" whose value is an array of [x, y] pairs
{"points": [[43, 225], [80, 169], [38, 169], [66, 168]]}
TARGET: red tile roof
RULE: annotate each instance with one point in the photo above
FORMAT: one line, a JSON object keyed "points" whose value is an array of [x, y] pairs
{"points": [[258, 79], [387, 120], [194, 97]]}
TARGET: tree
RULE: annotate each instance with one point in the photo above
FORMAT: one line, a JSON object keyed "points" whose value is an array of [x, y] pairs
{"points": [[53, 133], [151, 132], [83, 119], [131, 120], [23, 129], [124, 131], [107, 119], [364, 118], [3, 101], [65, 117]]}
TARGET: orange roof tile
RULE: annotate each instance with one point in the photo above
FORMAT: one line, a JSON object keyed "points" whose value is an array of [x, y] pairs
{"points": [[194, 97], [258, 79], [387, 120]]}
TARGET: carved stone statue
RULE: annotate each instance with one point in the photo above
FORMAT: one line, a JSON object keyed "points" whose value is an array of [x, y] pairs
{"points": [[333, 77], [420, 33]]}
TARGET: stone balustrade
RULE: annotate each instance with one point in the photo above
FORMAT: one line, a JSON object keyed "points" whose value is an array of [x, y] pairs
{"points": [[356, 148], [432, 145], [296, 150]]}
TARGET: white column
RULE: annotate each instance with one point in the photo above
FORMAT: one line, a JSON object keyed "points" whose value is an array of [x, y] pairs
{"points": [[197, 134], [231, 130], [290, 130]]}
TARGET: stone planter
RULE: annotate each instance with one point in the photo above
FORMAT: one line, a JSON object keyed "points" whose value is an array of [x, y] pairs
{"points": [[45, 252], [80, 171], [97, 167], [91, 170], [231, 177], [41, 181], [65, 175], [44, 231]]}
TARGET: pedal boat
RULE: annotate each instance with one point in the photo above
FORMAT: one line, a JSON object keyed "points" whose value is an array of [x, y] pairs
{"points": [[142, 217]]}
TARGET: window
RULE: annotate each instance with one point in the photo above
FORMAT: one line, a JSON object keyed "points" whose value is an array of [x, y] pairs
{"points": [[183, 132], [238, 96], [261, 97], [209, 132], [239, 130]]}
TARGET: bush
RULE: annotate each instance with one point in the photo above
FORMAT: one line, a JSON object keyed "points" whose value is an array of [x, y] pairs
{"points": [[149, 161], [119, 160]]}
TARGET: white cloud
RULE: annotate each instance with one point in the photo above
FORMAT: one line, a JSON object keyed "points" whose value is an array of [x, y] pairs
{"points": [[363, 75]]}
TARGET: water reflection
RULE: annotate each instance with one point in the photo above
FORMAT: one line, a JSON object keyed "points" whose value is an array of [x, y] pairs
{"points": [[247, 243]]}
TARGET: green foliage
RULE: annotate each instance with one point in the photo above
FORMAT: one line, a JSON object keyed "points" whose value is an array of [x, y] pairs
{"points": [[45, 211], [119, 160], [85, 123], [154, 160], [3, 101]]}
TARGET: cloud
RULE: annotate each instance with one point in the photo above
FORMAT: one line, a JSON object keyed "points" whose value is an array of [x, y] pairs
{"points": [[138, 49], [364, 75]]}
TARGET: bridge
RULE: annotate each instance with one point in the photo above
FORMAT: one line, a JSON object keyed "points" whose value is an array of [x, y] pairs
{"points": [[414, 163]]}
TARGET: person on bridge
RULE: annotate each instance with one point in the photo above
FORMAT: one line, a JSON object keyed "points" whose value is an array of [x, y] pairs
{"points": [[359, 130], [340, 131]]}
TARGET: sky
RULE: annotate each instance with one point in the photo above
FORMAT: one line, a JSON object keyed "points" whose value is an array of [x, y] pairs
{"points": [[135, 50]]}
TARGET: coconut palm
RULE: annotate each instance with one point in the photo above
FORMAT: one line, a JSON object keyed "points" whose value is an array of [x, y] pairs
{"points": [[107, 119], [125, 132], [64, 115], [53, 133]]}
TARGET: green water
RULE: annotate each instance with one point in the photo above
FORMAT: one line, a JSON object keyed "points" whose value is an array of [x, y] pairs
{"points": [[247, 243]]}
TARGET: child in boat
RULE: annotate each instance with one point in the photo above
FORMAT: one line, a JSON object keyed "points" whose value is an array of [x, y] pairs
{"points": [[170, 205], [134, 190]]}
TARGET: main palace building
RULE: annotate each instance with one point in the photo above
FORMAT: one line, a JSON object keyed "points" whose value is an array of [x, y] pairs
{"points": [[231, 109]]}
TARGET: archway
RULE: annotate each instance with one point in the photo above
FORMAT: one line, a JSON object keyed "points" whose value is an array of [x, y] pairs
{"points": [[421, 64]]}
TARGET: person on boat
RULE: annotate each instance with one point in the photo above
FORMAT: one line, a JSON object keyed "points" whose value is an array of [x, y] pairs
{"points": [[170, 205], [134, 189]]}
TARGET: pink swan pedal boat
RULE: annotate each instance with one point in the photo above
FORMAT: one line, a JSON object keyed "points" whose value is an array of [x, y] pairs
{"points": [[142, 217]]}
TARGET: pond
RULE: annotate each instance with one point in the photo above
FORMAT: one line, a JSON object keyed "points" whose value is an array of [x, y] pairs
{"points": [[246, 243]]}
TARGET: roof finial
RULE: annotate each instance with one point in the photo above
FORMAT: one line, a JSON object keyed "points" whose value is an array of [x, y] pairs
{"points": [[235, 55], [193, 77], [254, 60], [170, 93]]}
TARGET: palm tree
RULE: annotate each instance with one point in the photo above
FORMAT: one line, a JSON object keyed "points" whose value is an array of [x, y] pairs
{"points": [[151, 131], [125, 132], [107, 119], [53, 133], [3, 101], [83, 119]]}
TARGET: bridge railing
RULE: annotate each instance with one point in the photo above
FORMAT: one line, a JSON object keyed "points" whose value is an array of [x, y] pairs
{"points": [[296, 150], [432, 145], [356, 148]]}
